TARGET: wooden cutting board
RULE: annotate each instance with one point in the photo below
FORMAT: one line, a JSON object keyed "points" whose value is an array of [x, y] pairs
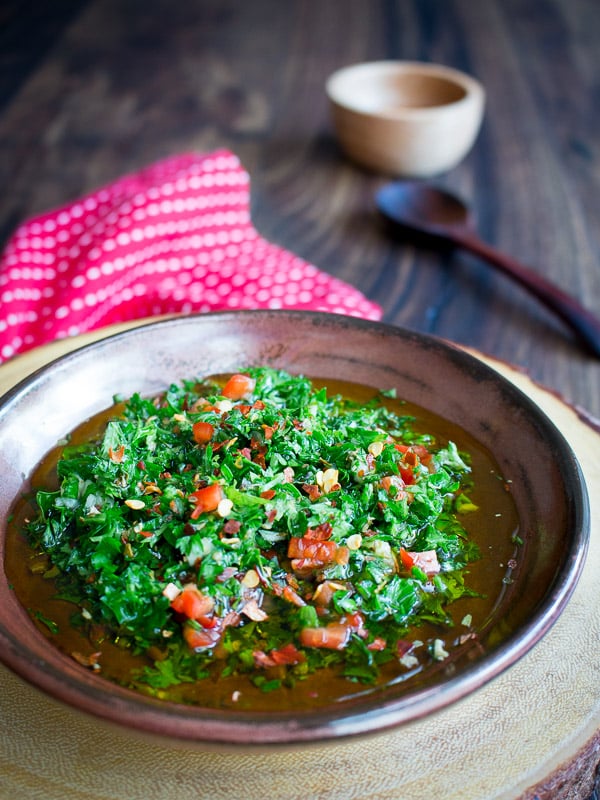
{"points": [[533, 732]]}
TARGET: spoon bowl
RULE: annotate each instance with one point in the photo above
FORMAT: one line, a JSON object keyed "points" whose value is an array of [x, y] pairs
{"points": [[433, 216], [423, 208]]}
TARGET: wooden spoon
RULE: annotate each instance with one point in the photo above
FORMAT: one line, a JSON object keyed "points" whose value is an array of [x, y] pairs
{"points": [[431, 215]]}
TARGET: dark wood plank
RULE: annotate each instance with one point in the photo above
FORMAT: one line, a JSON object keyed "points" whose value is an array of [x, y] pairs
{"points": [[121, 83]]}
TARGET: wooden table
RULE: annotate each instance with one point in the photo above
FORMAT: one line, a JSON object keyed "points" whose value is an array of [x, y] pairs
{"points": [[91, 89]]}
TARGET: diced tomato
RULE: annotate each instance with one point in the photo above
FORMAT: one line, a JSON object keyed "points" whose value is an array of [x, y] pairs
{"points": [[206, 499], [394, 484], [377, 644], [193, 604], [407, 475], [412, 456], [318, 555], [202, 432], [312, 550], [331, 637], [427, 561], [419, 450], [288, 654], [342, 555], [200, 638], [238, 386], [406, 558], [355, 621]]}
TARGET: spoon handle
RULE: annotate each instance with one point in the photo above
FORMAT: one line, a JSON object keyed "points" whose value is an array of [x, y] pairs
{"points": [[583, 323]]}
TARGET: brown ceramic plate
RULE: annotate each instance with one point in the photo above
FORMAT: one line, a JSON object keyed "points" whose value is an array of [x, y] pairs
{"points": [[547, 487]]}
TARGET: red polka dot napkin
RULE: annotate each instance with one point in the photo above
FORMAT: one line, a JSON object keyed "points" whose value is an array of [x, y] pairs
{"points": [[175, 237]]}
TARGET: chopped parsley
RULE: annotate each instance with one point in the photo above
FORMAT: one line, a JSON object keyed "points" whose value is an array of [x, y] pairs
{"points": [[259, 527]]}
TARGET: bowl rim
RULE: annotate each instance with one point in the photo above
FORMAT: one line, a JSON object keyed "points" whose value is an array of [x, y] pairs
{"points": [[66, 681], [471, 86]]}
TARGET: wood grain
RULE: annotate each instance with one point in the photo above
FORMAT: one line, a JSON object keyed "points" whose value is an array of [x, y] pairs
{"points": [[101, 87], [91, 89]]}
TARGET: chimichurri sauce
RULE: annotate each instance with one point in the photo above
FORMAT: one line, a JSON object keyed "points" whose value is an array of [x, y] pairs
{"points": [[263, 541]]}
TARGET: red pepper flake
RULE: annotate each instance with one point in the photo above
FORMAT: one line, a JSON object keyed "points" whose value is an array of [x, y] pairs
{"points": [[232, 526], [320, 532], [312, 490], [270, 430], [91, 661], [292, 596], [403, 647], [227, 573], [117, 456], [288, 654]]}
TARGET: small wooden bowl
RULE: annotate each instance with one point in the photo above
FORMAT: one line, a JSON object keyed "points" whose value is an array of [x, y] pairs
{"points": [[404, 118]]}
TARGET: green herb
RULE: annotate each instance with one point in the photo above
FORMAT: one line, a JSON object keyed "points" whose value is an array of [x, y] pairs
{"points": [[49, 623], [270, 532]]}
